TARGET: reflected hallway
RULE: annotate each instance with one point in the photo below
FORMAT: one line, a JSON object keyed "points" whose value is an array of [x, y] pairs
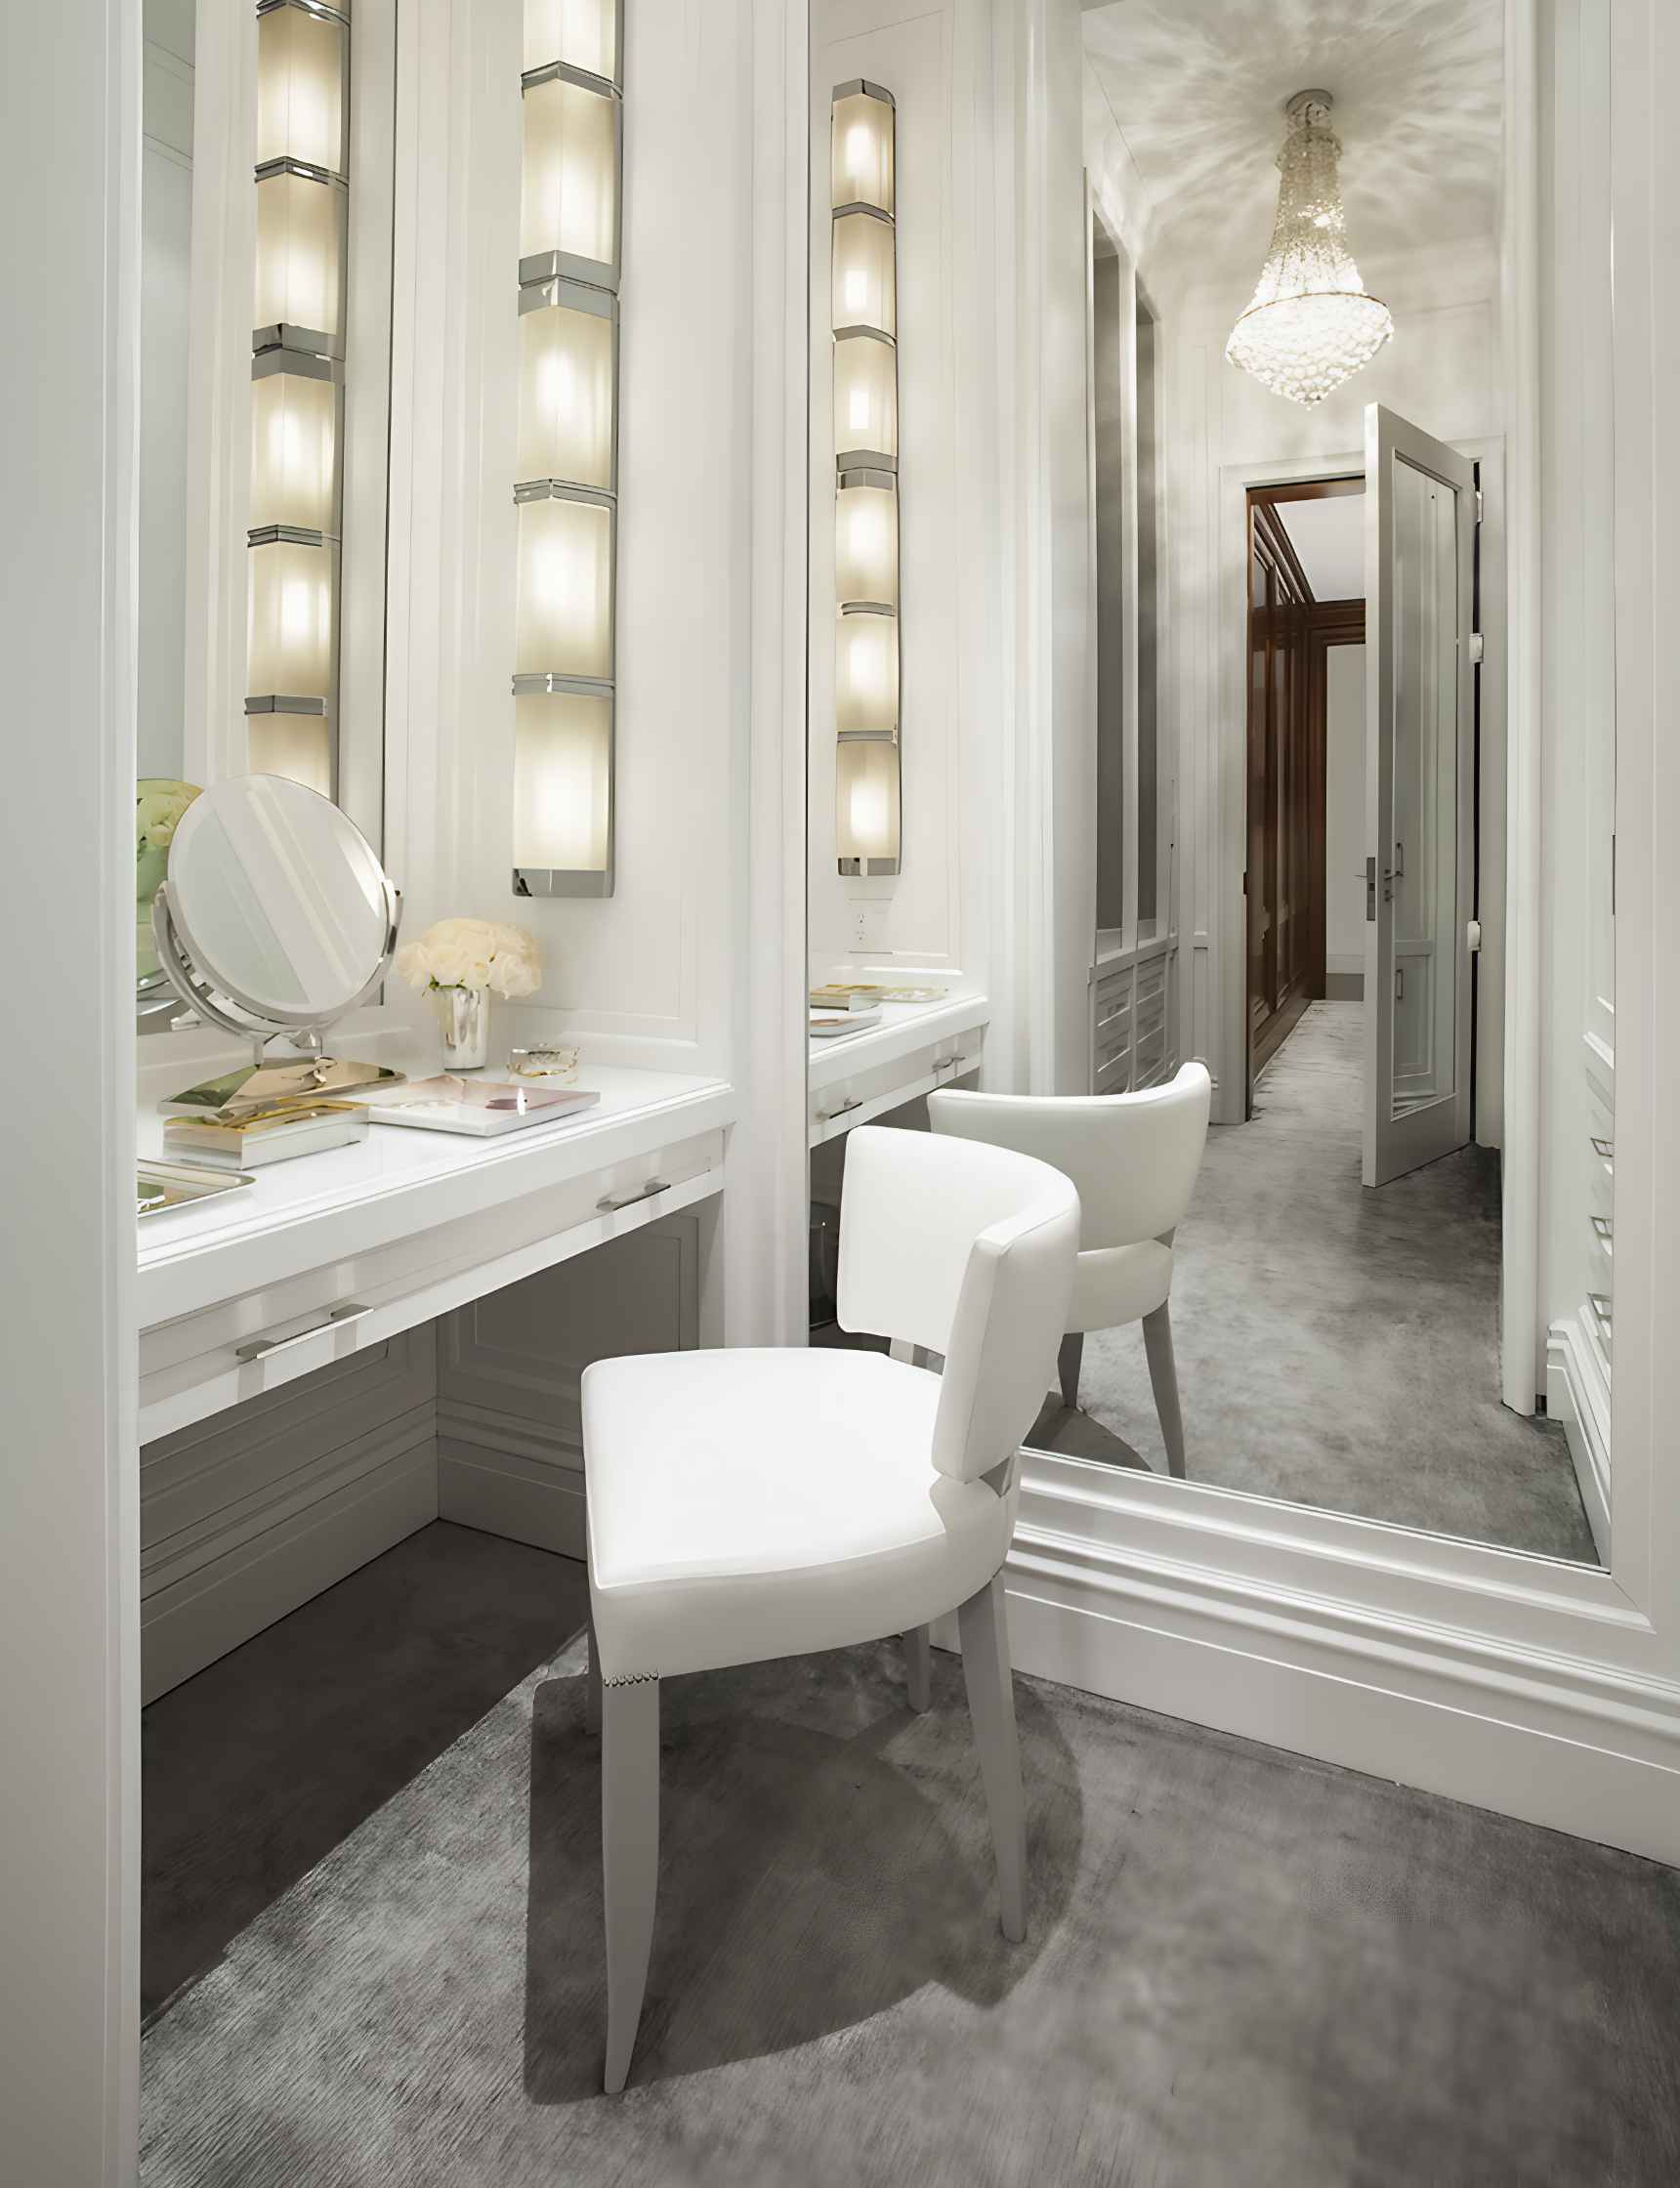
{"points": [[1337, 1347]]}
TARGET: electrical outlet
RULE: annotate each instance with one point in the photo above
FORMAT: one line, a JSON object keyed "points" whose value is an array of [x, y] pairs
{"points": [[869, 924]]}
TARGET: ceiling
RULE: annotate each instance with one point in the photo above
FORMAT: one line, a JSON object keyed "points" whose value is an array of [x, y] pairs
{"points": [[1329, 536], [1197, 89]]}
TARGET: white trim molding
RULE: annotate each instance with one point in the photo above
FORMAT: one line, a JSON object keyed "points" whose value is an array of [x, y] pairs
{"points": [[1519, 1684], [1577, 1395]]}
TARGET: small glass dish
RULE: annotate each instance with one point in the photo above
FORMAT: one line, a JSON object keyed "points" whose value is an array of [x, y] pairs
{"points": [[553, 1064]]}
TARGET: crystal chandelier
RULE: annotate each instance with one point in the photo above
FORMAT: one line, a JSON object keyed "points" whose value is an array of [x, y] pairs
{"points": [[1310, 325]]}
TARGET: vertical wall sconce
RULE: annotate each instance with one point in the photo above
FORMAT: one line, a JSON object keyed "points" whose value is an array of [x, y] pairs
{"points": [[566, 487], [297, 410], [864, 318]]}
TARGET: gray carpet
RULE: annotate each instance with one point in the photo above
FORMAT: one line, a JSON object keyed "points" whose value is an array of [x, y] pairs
{"points": [[1337, 1347], [1240, 1969]]}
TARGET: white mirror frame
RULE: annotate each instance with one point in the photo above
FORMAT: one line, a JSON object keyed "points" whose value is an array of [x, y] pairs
{"points": [[1545, 1690]]}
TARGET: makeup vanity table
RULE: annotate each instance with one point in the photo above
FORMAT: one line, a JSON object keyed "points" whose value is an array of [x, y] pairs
{"points": [[853, 1078], [331, 1252]]}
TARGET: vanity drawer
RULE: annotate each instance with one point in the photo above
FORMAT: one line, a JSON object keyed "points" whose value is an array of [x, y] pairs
{"points": [[1152, 980], [1113, 1044], [870, 1089], [1114, 1076], [239, 1348]]}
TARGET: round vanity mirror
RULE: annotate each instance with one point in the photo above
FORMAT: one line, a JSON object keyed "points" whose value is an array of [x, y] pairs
{"points": [[277, 916]]}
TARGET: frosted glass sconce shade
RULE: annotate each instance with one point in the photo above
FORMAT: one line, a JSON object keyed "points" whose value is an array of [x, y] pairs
{"points": [[298, 746], [867, 539], [294, 443], [569, 217], [864, 285], [866, 673], [866, 399], [562, 783], [583, 34], [568, 336], [861, 147], [290, 627], [300, 255], [303, 77], [866, 807], [567, 481], [565, 624]]}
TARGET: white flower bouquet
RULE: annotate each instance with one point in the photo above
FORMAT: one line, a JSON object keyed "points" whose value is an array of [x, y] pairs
{"points": [[473, 954]]}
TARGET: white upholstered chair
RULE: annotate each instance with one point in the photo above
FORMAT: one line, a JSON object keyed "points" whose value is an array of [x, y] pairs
{"points": [[1134, 1159], [747, 1505]]}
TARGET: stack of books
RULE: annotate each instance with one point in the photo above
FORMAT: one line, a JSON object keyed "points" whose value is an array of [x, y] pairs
{"points": [[244, 1139]]}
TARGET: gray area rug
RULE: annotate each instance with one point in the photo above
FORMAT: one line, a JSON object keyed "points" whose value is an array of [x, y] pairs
{"points": [[1241, 1968], [1337, 1347]]}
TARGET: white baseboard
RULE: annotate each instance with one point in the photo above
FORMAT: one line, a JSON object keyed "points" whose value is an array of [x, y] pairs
{"points": [[501, 1493], [1576, 1749], [1577, 1395], [230, 1598]]}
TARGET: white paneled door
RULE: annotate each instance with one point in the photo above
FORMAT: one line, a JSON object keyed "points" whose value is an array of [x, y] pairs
{"points": [[1420, 753]]}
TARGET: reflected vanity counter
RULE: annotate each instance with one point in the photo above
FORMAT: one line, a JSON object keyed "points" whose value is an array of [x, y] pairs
{"points": [[235, 1294], [853, 1078]]}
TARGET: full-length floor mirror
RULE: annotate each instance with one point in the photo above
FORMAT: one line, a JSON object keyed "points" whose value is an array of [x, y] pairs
{"points": [[1281, 890]]}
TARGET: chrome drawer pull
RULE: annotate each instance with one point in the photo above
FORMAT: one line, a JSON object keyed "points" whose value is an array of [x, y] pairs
{"points": [[845, 1109], [950, 1063], [1602, 1225], [265, 1348], [1604, 1148], [1599, 1302], [610, 1204]]}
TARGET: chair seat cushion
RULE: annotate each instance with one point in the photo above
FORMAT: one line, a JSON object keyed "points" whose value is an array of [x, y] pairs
{"points": [[1120, 1284], [745, 1504]]}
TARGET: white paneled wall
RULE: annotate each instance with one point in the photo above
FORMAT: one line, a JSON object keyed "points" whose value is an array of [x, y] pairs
{"points": [[649, 975], [1577, 788], [251, 1512], [510, 1435]]}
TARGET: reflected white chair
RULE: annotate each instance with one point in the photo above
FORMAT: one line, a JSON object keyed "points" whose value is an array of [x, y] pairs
{"points": [[1134, 1159], [747, 1505]]}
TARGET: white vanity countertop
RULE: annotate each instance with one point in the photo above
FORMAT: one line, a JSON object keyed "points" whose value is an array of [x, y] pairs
{"points": [[903, 1031], [398, 1181]]}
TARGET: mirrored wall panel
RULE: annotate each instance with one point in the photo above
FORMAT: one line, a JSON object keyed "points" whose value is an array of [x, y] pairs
{"points": [[1226, 909]]}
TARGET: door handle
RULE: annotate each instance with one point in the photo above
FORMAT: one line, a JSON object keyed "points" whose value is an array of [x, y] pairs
{"points": [[1370, 887], [610, 1204], [265, 1348]]}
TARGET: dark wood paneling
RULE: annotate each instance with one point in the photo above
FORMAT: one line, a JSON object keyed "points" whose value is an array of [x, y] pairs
{"points": [[1289, 632]]}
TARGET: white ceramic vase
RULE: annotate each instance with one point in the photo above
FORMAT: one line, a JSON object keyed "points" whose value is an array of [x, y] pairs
{"points": [[464, 1020]]}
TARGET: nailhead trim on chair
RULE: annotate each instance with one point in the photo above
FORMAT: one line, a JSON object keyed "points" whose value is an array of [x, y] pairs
{"points": [[631, 1679]]}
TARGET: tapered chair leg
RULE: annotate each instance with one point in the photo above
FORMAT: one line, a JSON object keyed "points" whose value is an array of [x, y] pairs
{"points": [[592, 1680], [629, 1858], [1163, 1380], [1067, 1360], [918, 1667], [983, 1628]]}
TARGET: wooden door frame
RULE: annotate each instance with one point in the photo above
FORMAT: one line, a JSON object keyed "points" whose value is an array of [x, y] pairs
{"points": [[1324, 621], [1331, 622]]}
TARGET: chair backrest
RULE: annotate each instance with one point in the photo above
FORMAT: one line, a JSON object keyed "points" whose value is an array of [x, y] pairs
{"points": [[968, 1250], [1133, 1157]]}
